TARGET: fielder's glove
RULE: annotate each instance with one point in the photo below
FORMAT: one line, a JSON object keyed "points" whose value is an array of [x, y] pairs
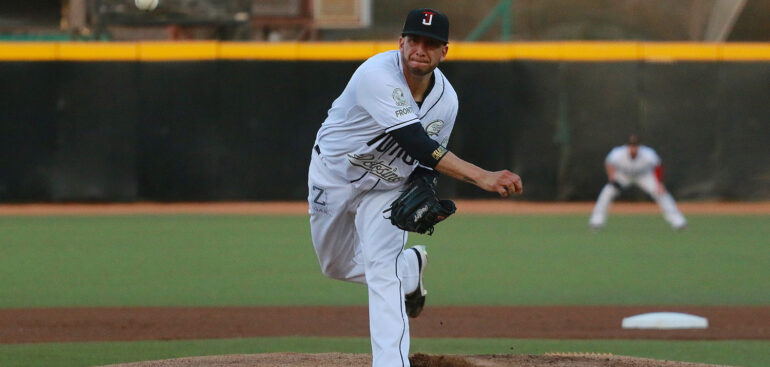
{"points": [[418, 208]]}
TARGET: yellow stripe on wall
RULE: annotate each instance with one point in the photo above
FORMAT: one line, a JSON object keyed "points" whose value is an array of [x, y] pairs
{"points": [[383, 46], [482, 51], [601, 51], [336, 51], [331, 51], [97, 51], [258, 51], [29, 51], [745, 51], [178, 51], [548, 51], [668, 52]]}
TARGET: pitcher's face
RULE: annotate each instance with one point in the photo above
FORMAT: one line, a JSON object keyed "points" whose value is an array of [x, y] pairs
{"points": [[421, 54]]}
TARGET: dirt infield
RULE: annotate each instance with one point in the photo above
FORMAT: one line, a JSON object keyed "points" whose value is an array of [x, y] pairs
{"points": [[555, 322], [296, 208], [542, 322], [418, 360]]}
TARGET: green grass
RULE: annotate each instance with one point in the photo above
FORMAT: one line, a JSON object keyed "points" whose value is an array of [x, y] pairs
{"points": [[199, 260], [162, 260], [635, 260], [261, 260], [735, 353]]}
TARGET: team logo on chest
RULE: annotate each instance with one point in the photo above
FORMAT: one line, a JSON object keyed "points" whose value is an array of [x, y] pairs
{"points": [[398, 96], [434, 127]]}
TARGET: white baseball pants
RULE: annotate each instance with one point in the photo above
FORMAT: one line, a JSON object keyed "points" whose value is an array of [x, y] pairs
{"points": [[648, 183], [355, 242]]}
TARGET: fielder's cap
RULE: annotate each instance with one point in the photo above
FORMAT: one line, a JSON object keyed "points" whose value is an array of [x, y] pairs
{"points": [[427, 22]]}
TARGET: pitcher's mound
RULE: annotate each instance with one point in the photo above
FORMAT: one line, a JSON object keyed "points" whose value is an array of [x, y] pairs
{"points": [[417, 360]]}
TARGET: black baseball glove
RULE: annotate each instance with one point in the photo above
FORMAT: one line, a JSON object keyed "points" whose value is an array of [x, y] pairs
{"points": [[418, 208]]}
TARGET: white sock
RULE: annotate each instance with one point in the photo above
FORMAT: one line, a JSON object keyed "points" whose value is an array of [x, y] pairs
{"points": [[411, 275]]}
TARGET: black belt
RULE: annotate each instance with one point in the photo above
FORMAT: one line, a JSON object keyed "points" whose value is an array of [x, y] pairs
{"points": [[317, 149]]}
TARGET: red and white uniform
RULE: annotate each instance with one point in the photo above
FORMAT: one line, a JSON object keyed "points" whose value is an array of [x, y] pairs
{"points": [[639, 171]]}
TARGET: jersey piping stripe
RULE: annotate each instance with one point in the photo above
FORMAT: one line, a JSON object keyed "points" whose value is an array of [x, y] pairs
{"points": [[400, 125], [376, 139], [375, 185], [401, 297], [443, 87], [359, 179]]}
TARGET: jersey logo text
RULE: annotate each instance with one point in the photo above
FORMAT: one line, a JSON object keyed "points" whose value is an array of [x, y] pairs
{"points": [[318, 200], [427, 18], [404, 111], [375, 167]]}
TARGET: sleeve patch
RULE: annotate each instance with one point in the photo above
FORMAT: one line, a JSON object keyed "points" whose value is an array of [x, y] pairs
{"points": [[439, 153]]}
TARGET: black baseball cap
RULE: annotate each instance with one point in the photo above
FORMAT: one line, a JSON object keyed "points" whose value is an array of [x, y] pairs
{"points": [[427, 22]]}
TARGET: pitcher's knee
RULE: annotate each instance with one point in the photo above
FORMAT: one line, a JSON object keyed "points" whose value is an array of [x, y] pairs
{"points": [[382, 274]]}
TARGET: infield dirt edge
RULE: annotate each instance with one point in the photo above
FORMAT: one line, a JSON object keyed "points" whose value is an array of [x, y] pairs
{"points": [[498, 206], [417, 360]]}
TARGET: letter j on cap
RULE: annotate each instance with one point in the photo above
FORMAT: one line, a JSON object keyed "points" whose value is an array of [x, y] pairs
{"points": [[428, 18]]}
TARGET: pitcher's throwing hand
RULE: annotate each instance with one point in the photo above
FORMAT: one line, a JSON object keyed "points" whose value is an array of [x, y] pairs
{"points": [[502, 182]]}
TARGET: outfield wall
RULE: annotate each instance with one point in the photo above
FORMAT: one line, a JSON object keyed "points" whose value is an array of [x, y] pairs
{"points": [[227, 121]]}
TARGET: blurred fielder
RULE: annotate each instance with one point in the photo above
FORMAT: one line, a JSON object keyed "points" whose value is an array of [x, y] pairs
{"points": [[634, 164]]}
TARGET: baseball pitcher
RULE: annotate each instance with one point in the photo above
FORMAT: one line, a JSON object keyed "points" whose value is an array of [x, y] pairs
{"points": [[372, 178]]}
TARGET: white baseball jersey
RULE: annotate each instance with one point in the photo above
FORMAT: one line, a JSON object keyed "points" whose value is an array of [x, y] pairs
{"points": [[355, 139], [645, 162]]}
